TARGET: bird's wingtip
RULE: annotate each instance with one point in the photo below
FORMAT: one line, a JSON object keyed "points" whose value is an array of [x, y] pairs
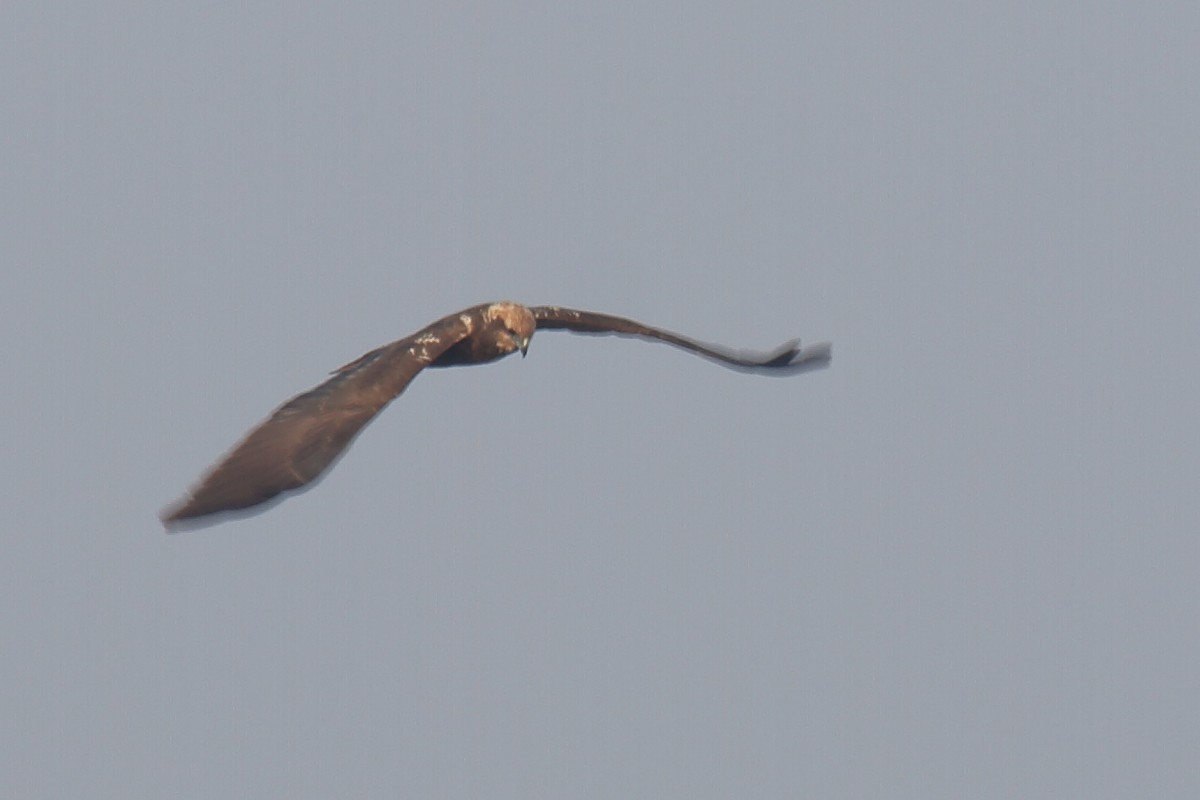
{"points": [[821, 351], [809, 357]]}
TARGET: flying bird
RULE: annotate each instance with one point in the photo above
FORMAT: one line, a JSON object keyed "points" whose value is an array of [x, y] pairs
{"points": [[306, 435]]}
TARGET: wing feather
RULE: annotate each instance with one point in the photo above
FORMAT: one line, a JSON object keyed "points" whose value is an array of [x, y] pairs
{"points": [[304, 437], [787, 359]]}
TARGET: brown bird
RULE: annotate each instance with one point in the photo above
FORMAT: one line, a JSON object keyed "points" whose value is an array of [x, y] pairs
{"points": [[304, 436]]}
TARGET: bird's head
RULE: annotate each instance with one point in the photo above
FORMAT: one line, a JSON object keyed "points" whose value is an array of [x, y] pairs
{"points": [[516, 325]]}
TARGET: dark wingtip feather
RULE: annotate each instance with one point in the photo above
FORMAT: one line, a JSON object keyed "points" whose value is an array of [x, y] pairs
{"points": [[788, 359], [802, 359], [183, 517]]}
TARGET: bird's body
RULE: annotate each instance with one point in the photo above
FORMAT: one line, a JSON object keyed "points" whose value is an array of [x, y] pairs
{"points": [[305, 436]]}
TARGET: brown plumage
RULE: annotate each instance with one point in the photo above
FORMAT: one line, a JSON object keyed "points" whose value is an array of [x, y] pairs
{"points": [[303, 437]]}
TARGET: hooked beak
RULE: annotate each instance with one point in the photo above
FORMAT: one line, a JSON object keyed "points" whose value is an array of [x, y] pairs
{"points": [[524, 345]]}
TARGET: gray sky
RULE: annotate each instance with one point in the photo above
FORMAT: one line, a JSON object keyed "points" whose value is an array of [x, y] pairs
{"points": [[961, 563]]}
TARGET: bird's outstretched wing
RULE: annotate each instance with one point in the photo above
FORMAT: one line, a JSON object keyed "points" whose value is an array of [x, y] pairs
{"points": [[304, 436], [787, 359], [298, 443]]}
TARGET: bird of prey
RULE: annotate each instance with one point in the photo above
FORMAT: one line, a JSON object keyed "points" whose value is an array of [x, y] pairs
{"points": [[306, 435]]}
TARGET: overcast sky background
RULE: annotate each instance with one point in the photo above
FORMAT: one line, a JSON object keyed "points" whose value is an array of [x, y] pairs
{"points": [[960, 563]]}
